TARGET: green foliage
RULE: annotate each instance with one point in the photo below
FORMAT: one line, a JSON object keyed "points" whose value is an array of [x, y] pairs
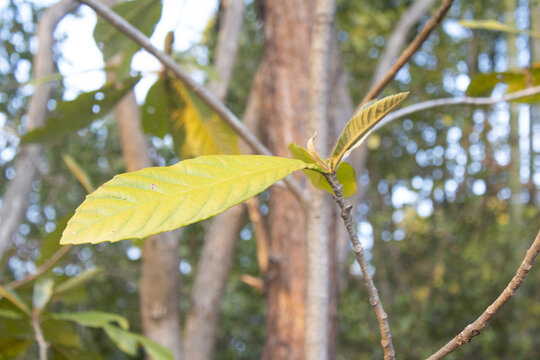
{"points": [[70, 116], [143, 14], [484, 84], [172, 108], [359, 127], [153, 200]]}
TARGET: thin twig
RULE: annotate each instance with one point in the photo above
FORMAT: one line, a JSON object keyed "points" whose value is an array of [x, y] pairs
{"points": [[374, 300], [408, 52], [209, 99], [42, 344], [463, 100], [40, 270], [479, 324]]}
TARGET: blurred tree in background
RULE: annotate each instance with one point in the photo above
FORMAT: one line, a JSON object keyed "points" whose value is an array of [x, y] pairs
{"points": [[448, 208]]}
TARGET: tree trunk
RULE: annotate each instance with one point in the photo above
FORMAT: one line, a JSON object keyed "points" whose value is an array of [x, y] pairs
{"points": [[160, 276], [218, 250], [284, 114], [534, 120], [514, 181], [15, 199], [317, 232]]}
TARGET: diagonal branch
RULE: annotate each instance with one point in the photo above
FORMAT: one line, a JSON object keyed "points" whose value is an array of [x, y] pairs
{"points": [[408, 52], [463, 100], [479, 324], [217, 106], [374, 300]]}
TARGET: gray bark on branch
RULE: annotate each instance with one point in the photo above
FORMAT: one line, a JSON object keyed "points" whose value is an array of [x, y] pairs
{"points": [[374, 300]]}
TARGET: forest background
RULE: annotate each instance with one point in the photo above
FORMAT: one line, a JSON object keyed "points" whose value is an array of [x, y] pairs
{"points": [[447, 200]]}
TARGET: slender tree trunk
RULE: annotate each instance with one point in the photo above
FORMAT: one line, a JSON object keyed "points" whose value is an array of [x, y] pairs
{"points": [[284, 117], [218, 250], [160, 276], [317, 233], [15, 199], [513, 138], [534, 120]]}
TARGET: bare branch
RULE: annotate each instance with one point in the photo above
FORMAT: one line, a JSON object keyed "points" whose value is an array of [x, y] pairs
{"points": [[463, 100], [398, 38], [408, 52], [374, 300], [42, 344], [205, 95], [479, 324]]}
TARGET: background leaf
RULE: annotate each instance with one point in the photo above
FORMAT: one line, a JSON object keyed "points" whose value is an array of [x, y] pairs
{"points": [[143, 14], [70, 116], [93, 318], [361, 124], [496, 26], [152, 200]]}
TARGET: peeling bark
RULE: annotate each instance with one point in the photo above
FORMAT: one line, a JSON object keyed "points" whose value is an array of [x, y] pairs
{"points": [[284, 110]]}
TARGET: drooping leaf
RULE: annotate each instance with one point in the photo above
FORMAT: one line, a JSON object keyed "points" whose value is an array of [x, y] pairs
{"points": [[15, 299], [153, 200], [70, 116], [76, 281], [10, 314], [143, 14], [361, 125], [128, 343], [93, 318], [43, 289], [172, 108], [205, 132], [78, 172], [496, 26]]}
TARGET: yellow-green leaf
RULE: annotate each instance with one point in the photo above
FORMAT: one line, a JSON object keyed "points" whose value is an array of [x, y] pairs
{"points": [[205, 132], [153, 200], [345, 175], [496, 26], [361, 125]]}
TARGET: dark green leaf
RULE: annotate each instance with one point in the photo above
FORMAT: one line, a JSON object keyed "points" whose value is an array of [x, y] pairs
{"points": [[70, 116]]}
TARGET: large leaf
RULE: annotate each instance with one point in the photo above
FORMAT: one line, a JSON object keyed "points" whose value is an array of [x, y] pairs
{"points": [[153, 200], [359, 127], [143, 14], [70, 116]]}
